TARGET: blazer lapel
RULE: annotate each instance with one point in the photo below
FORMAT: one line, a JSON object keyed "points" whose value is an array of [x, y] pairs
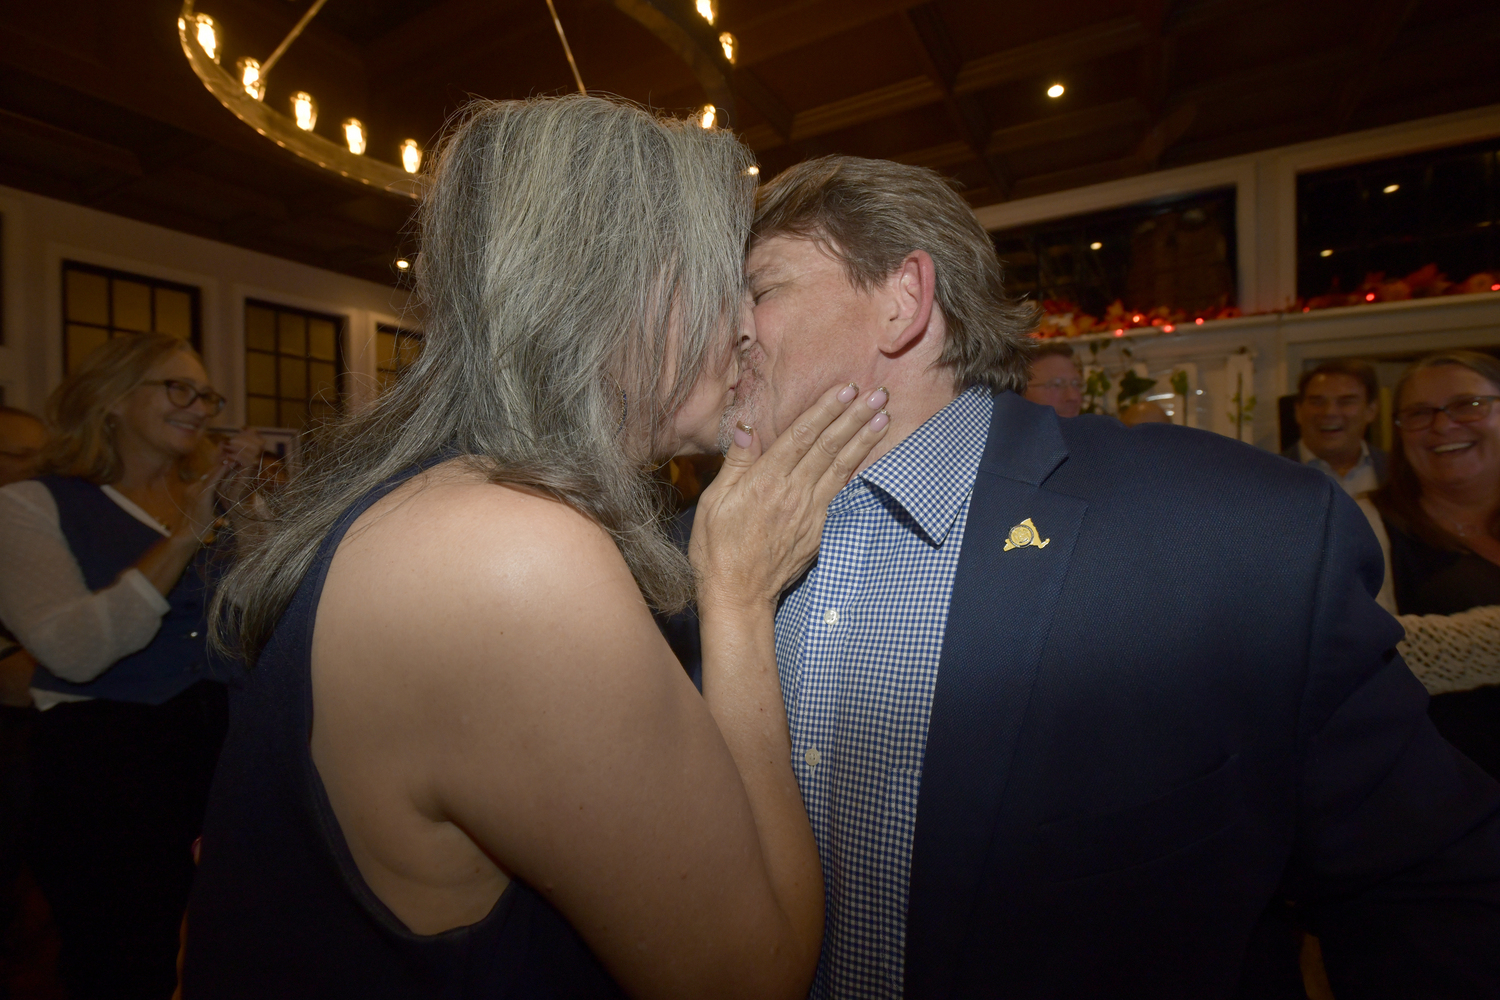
{"points": [[998, 619]]}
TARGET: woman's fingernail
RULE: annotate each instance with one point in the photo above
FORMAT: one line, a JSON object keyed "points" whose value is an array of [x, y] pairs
{"points": [[879, 420], [878, 398], [848, 392], [742, 435]]}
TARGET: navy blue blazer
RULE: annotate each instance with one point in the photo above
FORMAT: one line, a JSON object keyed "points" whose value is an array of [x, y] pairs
{"points": [[1183, 707]]}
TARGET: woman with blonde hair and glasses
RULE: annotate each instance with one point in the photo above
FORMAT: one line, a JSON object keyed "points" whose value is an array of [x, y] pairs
{"points": [[466, 763], [1439, 522], [106, 585]]}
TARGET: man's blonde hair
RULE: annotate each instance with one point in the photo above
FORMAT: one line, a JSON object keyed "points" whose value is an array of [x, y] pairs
{"points": [[871, 214]]}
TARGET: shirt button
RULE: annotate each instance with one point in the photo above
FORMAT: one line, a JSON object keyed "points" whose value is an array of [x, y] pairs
{"points": [[830, 617], [812, 757]]}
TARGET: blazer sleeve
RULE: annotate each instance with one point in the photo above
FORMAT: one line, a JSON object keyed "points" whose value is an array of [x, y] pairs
{"points": [[1397, 863]]}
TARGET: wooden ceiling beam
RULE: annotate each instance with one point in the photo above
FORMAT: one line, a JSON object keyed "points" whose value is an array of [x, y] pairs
{"points": [[803, 22], [1381, 28], [934, 46], [1049, 55], [1070, 125], [916, 92], [437, 33]]}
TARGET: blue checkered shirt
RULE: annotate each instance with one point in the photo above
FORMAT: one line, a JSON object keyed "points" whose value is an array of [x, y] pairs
{"points": [[857, 644]]}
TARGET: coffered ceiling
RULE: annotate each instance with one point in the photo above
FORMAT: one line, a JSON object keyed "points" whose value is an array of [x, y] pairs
{"points": [[98, 105]]}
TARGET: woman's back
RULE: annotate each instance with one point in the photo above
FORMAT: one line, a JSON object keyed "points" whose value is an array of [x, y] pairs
{"points": [[281, 907]]}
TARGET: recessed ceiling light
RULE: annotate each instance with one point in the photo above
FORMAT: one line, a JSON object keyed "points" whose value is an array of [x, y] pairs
{"points": [[1391, 188], [1325, 253], [1056, 90], [1096, 246]]}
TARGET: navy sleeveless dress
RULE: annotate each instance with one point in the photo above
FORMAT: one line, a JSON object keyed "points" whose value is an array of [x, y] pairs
{"points": [[279, 908]]}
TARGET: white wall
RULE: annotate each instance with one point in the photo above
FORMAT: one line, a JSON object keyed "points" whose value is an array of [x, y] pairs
{"points": [[40, 233]]}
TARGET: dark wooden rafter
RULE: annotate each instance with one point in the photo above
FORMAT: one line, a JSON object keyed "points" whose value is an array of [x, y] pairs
{"points": [[1379, 32], [934, 47]]}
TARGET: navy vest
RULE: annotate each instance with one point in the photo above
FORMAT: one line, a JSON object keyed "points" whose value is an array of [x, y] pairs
{"points": [[106, 541]]}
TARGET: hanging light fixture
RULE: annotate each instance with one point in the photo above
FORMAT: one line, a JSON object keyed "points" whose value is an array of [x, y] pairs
{"points": [[706, 116], [753, 170], [411, 156], [304, 110], [354, 135], [730, 46], [708, 10], [207, 33], [249, 70]]}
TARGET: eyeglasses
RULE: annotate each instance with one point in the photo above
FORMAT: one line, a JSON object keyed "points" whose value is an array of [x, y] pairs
{"points": [[1460, 411], [184, 394], [1058, 383]]}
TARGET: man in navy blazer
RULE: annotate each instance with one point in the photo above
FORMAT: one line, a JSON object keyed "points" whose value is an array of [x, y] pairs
{"points": [[1074, 707]]}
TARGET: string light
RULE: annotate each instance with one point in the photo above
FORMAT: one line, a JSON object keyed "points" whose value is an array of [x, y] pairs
{"points": [[1391, 188], [402, 264], [354, 135], [250, 78], [1056, 90], [208, 35], [708, 10], [729, 45], [305, 110], [707, 115], [1325, 253], [1096, 246], [753, 170], [411, 156]]}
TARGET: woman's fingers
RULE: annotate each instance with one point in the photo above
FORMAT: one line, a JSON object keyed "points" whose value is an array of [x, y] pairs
{"points": [[831, 443], [798, 441], [851, 456]]}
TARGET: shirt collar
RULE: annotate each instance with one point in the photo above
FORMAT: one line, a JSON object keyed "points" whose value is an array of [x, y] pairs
{"points": [[1308, 458], [930, 474]]}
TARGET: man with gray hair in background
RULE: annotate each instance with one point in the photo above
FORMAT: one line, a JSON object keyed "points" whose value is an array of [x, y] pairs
{"points": [[1027, 775]]}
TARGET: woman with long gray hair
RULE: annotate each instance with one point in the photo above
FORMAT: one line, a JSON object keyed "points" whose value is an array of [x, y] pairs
{"points": [[466, 762]]}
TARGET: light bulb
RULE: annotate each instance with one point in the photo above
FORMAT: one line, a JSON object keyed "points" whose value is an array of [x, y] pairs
{"points": [[1325, 253], [403, 264], [305, 110], [753, 170], [1056, 90], [250, 77], [729, 45], [354, 135], [1391, 188], [707, 115], [708, 10], [411, 156], [208, 35], [1096, 246]]}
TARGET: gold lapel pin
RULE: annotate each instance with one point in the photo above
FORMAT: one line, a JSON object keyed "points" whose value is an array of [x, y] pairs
{"points": [[1025, 534]]}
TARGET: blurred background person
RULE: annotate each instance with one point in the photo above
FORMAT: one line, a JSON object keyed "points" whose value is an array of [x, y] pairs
{"points": [[105, 584], [1056, 379], [22, 435], [1336, 403], [1440, 513]]}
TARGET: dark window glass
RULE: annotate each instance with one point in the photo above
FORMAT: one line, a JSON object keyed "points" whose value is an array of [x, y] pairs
{"points": [[100, 303], [294, 365], [1394, 217], [395, 351], [1174, 253]]}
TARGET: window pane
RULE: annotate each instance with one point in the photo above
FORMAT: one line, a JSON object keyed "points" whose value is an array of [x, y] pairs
{"points": [[293, 378], [320, 339], [385, 350], [260, 329], [174, 313], [132, 306], [321, 413], [293, 333], [88, 298], [293, 413], [324, 382], [261, 412], [410, 347], [81, 342], [260, 373], [385, 379]]}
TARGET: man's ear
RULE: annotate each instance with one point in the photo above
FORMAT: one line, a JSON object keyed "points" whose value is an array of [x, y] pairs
{"points": [[913, 287]]}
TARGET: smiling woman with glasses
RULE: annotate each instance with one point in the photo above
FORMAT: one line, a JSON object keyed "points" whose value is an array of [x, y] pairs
{"points": [[1441, 514], [104, 579]]}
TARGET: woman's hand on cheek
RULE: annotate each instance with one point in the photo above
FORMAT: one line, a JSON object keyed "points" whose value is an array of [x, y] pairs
{"points": [[759, 524]]}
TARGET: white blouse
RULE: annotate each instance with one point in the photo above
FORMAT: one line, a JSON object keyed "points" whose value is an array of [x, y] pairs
{"points": [[76, 633]]}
